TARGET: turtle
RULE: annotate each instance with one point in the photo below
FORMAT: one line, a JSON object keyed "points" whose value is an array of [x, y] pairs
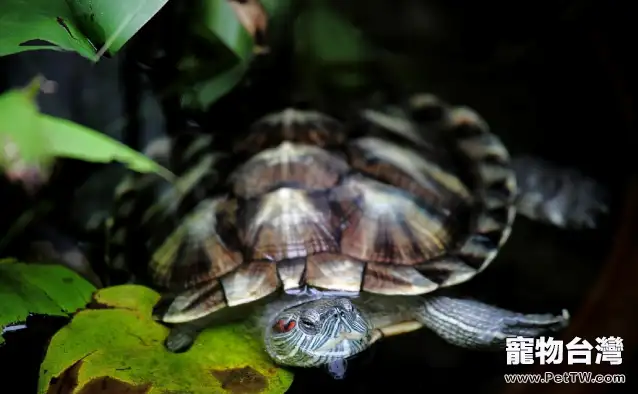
{"points": [[331, 234]]}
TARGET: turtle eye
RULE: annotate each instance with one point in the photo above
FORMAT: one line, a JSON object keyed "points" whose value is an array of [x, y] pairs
{"points": [[282, 326]]}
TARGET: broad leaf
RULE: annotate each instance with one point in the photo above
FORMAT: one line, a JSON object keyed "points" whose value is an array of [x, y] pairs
{"points": [[83, 26], [120, 346], [36, 138], [112, 23], [39, 289], [71, 140]]}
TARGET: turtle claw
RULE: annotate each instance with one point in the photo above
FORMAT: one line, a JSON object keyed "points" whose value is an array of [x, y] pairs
{"points": [[180, 339], [337, 369]]}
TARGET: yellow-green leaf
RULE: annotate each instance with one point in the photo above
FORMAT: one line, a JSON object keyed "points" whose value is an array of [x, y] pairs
{"points": [[120, 344]]}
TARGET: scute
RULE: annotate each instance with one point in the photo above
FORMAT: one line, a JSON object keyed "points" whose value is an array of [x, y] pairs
{"points": [[250, 282], [301, 127], [409, 171], [386, 225], [334, 272], [288, 164], [291, 273], [448, 271], [194, 252], [288, 223], [394, 279], [193, 303]]}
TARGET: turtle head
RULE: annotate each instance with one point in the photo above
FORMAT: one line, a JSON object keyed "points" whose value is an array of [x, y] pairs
{"points": [[317, 332]]}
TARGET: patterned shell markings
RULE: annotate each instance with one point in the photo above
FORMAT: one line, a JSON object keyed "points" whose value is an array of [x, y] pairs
{"points": [[313, 206]]}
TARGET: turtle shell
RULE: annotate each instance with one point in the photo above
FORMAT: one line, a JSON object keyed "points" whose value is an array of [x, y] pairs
{"points": [[302, 202]]}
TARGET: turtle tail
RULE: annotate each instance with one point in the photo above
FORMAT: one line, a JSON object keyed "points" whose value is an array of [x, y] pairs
{"points": [[491, 173]]}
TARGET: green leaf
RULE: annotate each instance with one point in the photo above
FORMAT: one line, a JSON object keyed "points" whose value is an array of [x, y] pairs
{"points": [[327, 39], [71, 140], [74, 25], [216, 21], [219, 21], [330, 37], [48, 20], [20, 125], [39, 137], [121, 345], [39, 288], [277, 8], [202, 94], [113, 23]]}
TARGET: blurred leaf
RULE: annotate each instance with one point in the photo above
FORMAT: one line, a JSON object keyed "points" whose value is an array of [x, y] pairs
{"points": [[330, 36], [103, 348], [21, 137], [75, 25], [204, 93], [252, 15], [236, 25], [274, 8], [279, 14], [219, 19], [29, 137], [69, 139], [328, 39], [41, 289]]}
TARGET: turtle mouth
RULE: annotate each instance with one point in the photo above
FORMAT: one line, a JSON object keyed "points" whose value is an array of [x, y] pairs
{"points": [[343, 336]]}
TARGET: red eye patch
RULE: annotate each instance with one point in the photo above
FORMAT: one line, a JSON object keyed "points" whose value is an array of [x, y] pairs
{"points": [[283, 326]]}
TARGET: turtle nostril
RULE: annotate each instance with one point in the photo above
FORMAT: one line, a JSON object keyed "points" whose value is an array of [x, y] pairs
{"points": [[338, 312]]}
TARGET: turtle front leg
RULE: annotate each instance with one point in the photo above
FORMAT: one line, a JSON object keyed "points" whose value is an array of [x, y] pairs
{"points": [[557, 195], [475, 325], [182, 337], [185, 324]]}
